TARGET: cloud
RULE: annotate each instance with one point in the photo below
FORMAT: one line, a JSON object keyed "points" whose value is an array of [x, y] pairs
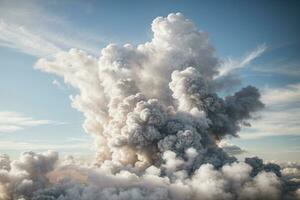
{"points": [[229, 65], [287, 96], [8, 145], [291, 170], [281, 116], [19, 38], [231, 149], [27, 176], [227, 78], [58, 84], [14, 121], [32, 29], [285, 66]]}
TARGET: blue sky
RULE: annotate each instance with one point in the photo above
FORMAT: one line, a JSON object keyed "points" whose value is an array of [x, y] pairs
{"points": [[38, 104]]}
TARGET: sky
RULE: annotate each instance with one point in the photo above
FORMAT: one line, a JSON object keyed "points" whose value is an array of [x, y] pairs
{"points": [[259, 39]]}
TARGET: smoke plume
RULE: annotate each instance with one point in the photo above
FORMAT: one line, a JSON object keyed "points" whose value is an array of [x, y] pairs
{"points": [[157, 119]]}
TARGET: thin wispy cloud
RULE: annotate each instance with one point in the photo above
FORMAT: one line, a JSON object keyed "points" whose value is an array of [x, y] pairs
{"points": [[21, 39], [14, 121], [25, 146], [288, 96], [229, 64], [58, 84], [286, 66], [35, 31], [281, 116]]}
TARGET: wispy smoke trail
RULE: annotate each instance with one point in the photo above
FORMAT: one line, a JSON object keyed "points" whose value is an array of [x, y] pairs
{"points": [[156, 119]]}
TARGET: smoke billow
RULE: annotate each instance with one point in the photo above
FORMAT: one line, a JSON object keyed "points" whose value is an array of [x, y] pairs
{"points": [[157, 119]]}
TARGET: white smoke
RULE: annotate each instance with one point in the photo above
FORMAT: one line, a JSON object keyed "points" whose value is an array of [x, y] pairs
{"points": [[156, 119]]}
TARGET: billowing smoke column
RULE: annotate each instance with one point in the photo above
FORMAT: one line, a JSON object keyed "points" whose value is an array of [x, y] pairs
{"points": [[157, 119]]}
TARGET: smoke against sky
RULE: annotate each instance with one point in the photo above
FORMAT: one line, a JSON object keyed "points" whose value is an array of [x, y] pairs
{"points": [[158, 122]]}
